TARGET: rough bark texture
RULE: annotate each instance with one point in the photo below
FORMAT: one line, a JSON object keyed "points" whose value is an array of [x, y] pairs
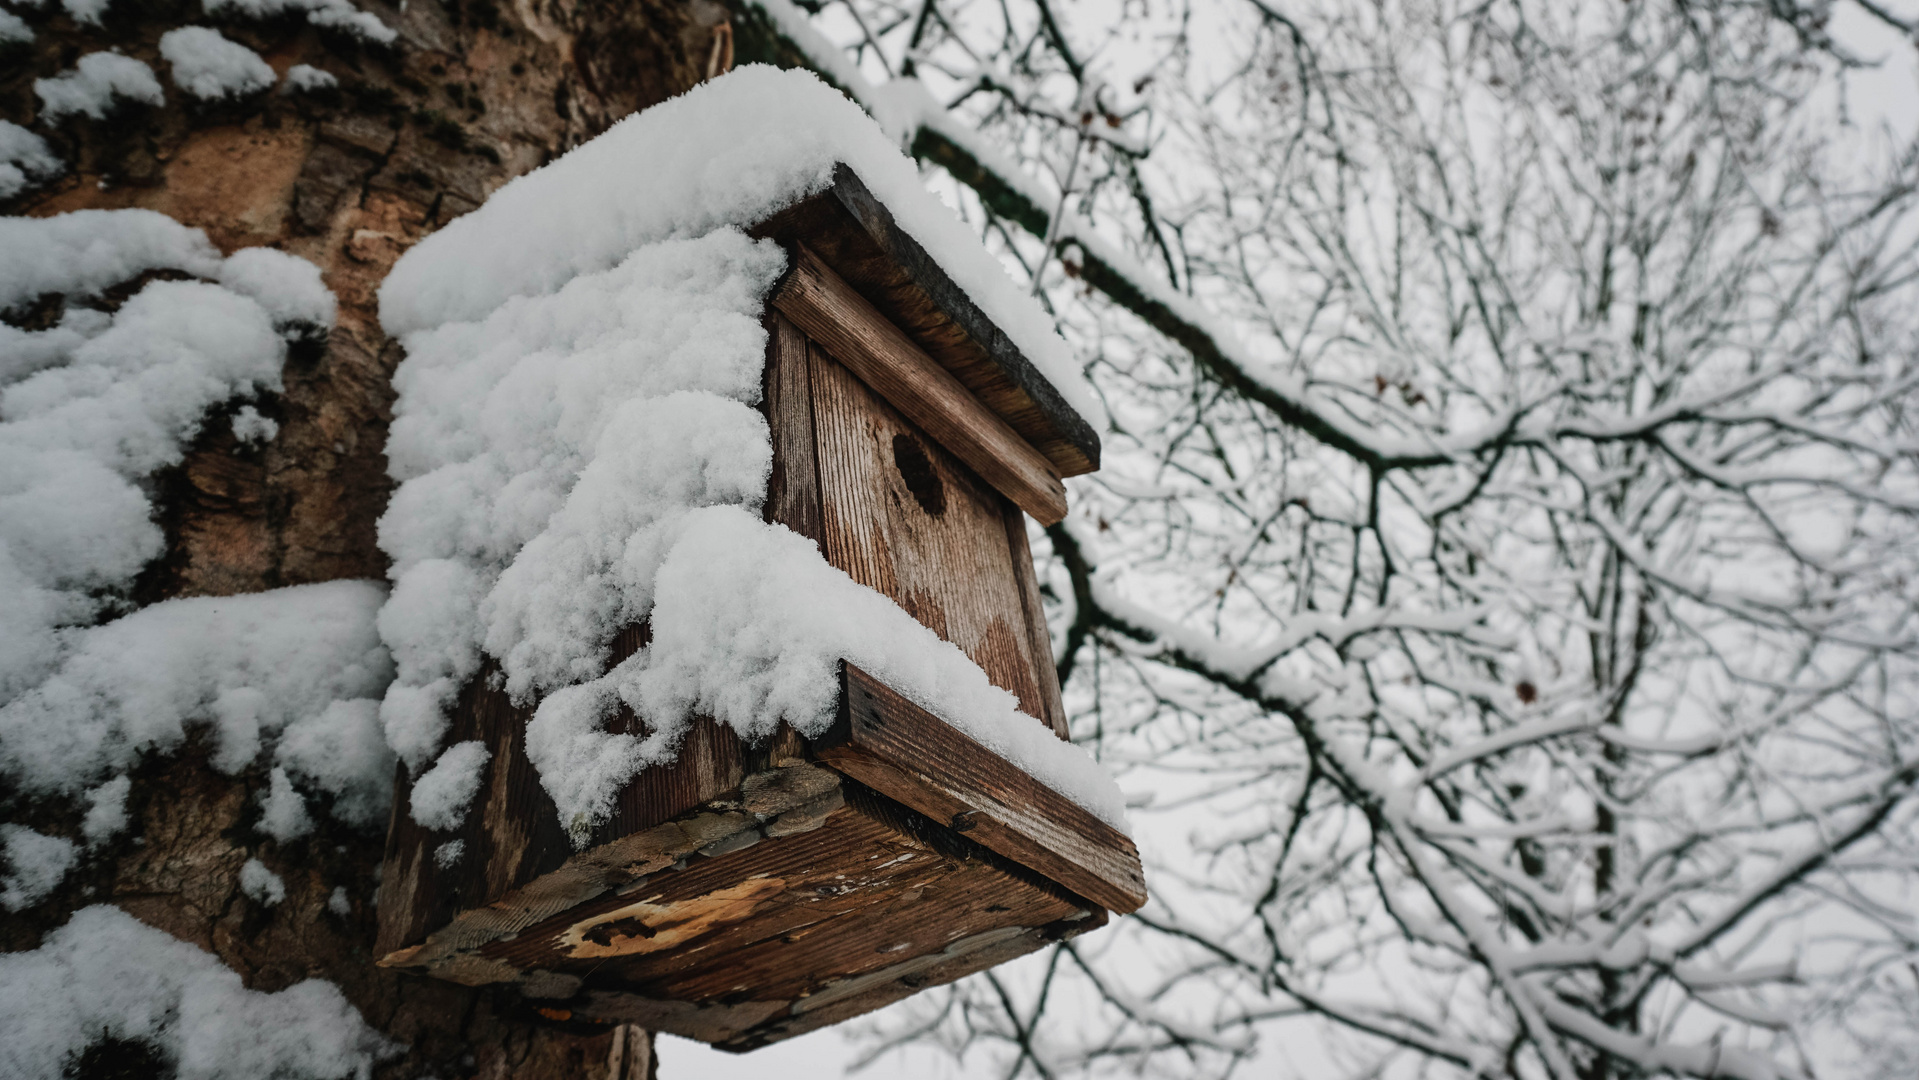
{"points": [[473, 94]]}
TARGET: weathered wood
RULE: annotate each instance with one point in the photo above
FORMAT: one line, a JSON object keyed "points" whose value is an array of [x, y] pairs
{"points": [[1052, 707], [744, 944], [856, 235], [905, 518], [893, 746], [513, 835], [834, 315], [793, 490]]}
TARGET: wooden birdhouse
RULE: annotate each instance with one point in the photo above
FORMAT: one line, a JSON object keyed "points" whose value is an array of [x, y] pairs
{"points": [[748, 893]]}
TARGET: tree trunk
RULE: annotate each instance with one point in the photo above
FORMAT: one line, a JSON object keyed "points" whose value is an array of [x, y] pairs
{"points": [[472, 94]]}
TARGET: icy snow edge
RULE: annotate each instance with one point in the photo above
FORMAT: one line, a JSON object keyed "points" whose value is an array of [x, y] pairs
{"points": [[728, 152]]}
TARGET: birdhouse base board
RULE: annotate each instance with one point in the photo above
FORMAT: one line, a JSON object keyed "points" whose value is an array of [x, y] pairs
{"points": [[752, 937]]}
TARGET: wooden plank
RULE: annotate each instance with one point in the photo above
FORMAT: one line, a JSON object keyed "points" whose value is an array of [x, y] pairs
{"points": [[819, 921], [856, 235], [512, 834], [933, 541], [906, 753], [793, 491], [857, 335], [1052, 706]]}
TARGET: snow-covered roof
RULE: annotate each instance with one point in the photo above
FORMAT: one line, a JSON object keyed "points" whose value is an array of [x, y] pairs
{"points": [[733, 151]]}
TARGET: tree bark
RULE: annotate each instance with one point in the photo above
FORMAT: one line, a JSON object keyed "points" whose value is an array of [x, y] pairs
{"points": [[472, 94]]}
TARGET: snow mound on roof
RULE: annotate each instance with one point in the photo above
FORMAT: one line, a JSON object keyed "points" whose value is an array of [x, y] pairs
{"points": [[729, 152], [578, 451]]}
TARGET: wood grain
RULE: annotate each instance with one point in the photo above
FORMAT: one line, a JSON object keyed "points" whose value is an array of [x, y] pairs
{"points": [[793, 490], [850, 328], [764, 942], [1045, 671], [902, 751], [952, 570], [512, 834]]}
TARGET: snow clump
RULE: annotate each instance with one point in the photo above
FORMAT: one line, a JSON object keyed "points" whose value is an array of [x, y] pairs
{"points": [[209, 66], [295, 671], [329, 14], [106, 810], [25, 160], [94, 83], [262, 885], [305, 78], [578, 450], [35, 865], [250, 427], [105, 973], [88, 409], [441, 794], [13, 28]]}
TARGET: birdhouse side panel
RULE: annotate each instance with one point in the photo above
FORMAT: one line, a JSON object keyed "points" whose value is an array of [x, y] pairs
{"points": [[903, 516]]}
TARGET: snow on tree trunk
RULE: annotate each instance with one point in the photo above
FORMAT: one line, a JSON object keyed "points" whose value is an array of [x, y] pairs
{"points": [[381, 124]]}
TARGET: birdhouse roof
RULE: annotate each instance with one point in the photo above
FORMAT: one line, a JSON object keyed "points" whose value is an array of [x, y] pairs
{"points": [[781, 154]]}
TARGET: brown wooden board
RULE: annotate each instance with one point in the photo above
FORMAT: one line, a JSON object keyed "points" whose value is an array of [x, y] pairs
{"points": [[857, 335], [907, 519], [763, 941], [793, 489], [899, 749], [1053, 708], [513, 835], [856, 235]]}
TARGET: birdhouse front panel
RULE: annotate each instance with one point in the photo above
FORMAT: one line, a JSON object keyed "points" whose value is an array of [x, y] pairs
{"points": [[905, 517], [752, 880]]}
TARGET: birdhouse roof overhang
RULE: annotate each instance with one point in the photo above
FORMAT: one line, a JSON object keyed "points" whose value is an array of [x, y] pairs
{"points": [[850, 230]]}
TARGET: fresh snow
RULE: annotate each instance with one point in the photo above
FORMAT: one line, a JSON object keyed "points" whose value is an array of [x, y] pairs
{"points": [[93, 84], [283, 810], [578, 450], [441, 794], [330, 14], [542, 463], [304, 78], [448, 855], [291, 670], [749, 625], [209, 66], [87, 251], [250, 427], [89, 409], [106, 974], [729, 152], [25, 160], [261, 884], [86, 12], [34, 865], [12, 28], [106, 810]]}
